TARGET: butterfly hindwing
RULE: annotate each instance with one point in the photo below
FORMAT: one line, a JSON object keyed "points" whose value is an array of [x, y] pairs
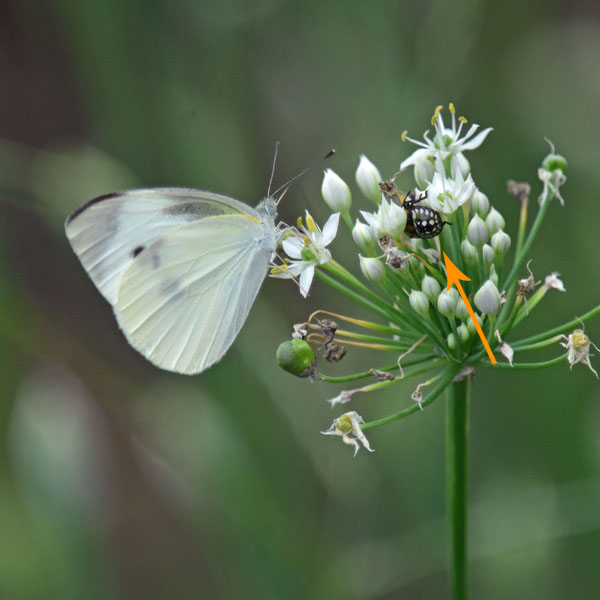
{"points": [[184, 298]]}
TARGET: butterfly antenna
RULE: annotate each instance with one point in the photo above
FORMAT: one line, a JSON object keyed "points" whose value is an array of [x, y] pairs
{"points": [[273, 169], [303, 172]]}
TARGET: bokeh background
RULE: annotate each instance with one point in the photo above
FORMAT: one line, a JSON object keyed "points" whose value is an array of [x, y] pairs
{"points": [[121, 481]]}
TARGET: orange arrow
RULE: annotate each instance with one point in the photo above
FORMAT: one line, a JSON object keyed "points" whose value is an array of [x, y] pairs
{"points": [[454, 275]]}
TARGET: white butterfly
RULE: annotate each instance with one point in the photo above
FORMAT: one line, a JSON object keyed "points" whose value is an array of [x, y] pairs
{"points": [[180, 267]]}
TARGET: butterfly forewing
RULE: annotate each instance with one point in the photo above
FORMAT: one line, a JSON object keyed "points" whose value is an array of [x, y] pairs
{"points": [[184, 298], [108, 232]]}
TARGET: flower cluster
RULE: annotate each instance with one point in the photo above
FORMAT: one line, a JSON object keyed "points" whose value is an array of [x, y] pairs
{"points": [[413, 245]]}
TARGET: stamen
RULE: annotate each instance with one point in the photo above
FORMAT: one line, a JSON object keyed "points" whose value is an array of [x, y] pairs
{"points": [[310, 224], [451, 108], [403, 135], [299, 222], [463, 120], [436, 114]]}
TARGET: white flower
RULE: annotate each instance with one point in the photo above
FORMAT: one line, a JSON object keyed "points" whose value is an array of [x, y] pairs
{"points": [[447, 143], [306, 246], [446, 195], [348, 427], [374, 222], [578, 345], [335, 192], [552, 281], [368, 178]]}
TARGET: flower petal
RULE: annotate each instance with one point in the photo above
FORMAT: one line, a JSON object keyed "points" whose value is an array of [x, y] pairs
{"points": [[306, 279], [477, 140], [330, 228], [292, 246]]}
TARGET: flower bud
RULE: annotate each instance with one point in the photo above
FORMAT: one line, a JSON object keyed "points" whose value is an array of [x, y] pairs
{"points": [[480, 204], [555, 162], [461, 311], [460, 164], [451, 341], [487, 299], [494, 221], [295, 356], [363, 236], [454, 293], [471, 326], [368, 178], [446, 304], [488, 256], [372, 268], [477, 232], [335, 192], [493, 275], [424, 169], [418, 300], [431, 288], [393, 219], [500, 242], [468, 251], [463, 332]]}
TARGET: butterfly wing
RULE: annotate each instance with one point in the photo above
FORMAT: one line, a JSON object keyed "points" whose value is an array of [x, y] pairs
{"points": [[108, 232], [184, 298]]}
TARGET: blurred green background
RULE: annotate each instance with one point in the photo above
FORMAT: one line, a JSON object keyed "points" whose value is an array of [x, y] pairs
{"points": [[121, 481]]}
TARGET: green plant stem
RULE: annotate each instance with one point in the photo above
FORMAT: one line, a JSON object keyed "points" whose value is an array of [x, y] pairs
{"points": [[340, 287], [366, 374], [509, 283], [457, 434], [525, 366], [441, 381], [561, 328]]}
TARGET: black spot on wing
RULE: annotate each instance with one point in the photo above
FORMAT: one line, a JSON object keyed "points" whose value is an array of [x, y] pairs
{"points": [[136, 251]]}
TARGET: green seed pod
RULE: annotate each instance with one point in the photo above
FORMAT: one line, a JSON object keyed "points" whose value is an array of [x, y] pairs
{"points": [[554, 162], [295, 356]]}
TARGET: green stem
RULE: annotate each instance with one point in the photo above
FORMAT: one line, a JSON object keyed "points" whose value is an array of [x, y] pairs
{"points": [[509, 283], [340, 287], [525, 366], [365, 374], [457, 434], [441, 381], [561, 328]]}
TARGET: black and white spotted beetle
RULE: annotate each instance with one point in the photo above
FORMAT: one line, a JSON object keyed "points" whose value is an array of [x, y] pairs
{"points": [[421, 221]]}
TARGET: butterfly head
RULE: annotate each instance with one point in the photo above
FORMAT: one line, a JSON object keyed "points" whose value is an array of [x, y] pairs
{"points": [[268, 207]]}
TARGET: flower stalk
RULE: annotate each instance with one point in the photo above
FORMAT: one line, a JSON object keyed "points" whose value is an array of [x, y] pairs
{"points": [[438, 336]]}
